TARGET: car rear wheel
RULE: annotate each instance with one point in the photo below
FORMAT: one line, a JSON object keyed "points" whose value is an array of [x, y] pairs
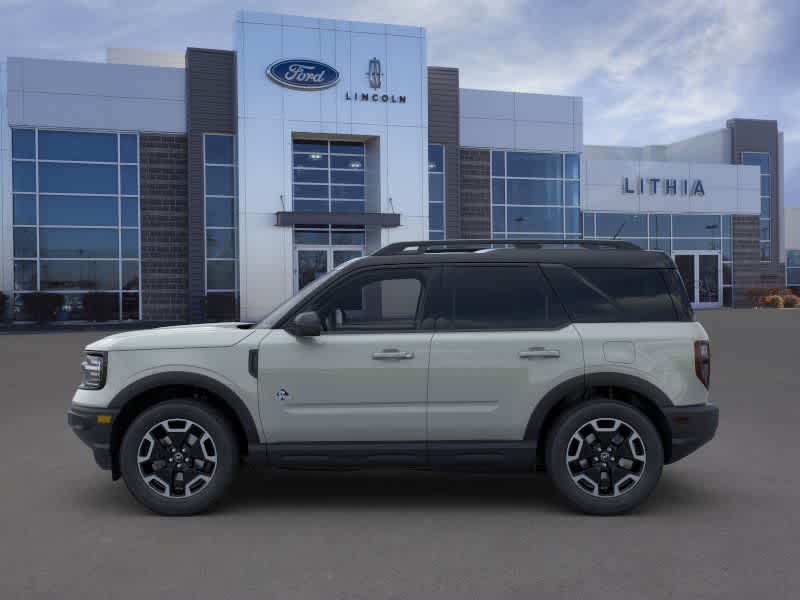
{"points": [[605, 457], [179, 457]]}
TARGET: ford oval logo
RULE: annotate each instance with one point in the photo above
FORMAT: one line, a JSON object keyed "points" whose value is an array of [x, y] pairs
{"points": [[303, 74]]}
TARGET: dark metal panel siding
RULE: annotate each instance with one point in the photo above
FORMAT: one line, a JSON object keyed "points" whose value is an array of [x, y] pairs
{"points": [[443, 115], [476, 217], [210, 108], [754, 135]]}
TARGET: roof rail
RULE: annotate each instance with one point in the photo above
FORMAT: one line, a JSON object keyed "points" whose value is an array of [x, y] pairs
{"points": [[421, 247]]}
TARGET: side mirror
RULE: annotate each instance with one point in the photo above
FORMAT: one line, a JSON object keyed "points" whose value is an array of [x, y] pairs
{"points": [[307, 324]]}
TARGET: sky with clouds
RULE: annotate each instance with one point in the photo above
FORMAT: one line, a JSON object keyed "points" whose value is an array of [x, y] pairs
{"points": [[650, 72]]}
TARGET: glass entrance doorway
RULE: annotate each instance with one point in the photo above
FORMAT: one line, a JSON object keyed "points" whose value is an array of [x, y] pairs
{"points": [[702, 275], [311, 262]]}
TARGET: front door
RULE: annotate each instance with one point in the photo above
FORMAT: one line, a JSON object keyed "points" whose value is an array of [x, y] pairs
{"points": [[365, 378], [702, 274], [314, 261]]}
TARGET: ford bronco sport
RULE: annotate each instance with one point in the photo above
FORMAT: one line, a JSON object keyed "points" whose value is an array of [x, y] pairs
{"points": [[580, 358]]}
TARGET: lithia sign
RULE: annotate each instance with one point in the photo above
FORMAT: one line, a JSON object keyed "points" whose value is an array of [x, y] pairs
{"points": [[667, 186], [306, 74]]}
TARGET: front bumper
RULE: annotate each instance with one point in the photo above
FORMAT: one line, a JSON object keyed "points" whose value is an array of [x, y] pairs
{"points": [[691, 426], [94, 432]]}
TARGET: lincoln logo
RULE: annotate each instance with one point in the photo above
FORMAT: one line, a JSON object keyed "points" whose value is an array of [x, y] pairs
{"points": [[301, 74], [374, 74]]}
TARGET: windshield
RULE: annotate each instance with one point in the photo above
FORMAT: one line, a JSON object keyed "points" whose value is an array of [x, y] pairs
{"points": [[279, 311]]}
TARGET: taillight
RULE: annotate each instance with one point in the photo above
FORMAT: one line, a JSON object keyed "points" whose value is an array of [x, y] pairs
{"points": [[702, 361]]}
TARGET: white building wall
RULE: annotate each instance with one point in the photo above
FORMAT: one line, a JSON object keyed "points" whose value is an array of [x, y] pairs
{"points": [[712, 147], [145, 58], [269, 115], [791, 228], [519, 121], [82, 95]]}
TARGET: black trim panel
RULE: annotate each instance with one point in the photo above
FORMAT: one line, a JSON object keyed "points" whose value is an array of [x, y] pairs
{"points": [[195, 380], [83, 421], [630, 382], [287, 218], [691, 426]]}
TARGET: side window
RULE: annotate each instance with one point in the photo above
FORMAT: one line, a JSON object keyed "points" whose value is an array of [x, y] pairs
{"points": [[376, 302], [641, 293], [679, 297], [584, 302], [499, 297]]}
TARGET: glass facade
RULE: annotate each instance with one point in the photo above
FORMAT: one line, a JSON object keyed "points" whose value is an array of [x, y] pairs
{"points": [[435, 191], [76, 221], [319, 249], [219, 158], [669, 233], [793, 268], [761, 160], [328, 176], [535, 195]]}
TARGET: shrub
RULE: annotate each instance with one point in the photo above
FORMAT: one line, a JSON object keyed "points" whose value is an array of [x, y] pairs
{"points": [[757, 295], [98, 306], [773, 301], [790, 301], [3, 306], [41, 306]]}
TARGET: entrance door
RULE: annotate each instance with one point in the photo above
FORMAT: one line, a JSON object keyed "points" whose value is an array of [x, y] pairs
{"points": [[314, 261], [702, 274]]}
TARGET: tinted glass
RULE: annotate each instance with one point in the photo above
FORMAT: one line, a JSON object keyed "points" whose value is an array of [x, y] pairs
{"points": [[311, 205], [347, 192], [311, 237], [24, 209], [641, 293], [793, 258], [310, 191], [129, 184], [498, 218], [130, 307], [660, 226], [765, 185], [369, 304], [492, 298], [220, 243], [317, 161], [680, 300], [584, 302], [23, 176], [73, 145], [221, 274], [310, 146], [23, 144], [535, 219], [696, 225], [347, 148], [56, 242], [695, 244], [128, 151], [77, 210], [79, 275], [532, 191], [588, 224], [348, 238], [219, 212], [130, 212], [219, 149], [435, 158], [345, 162], [436, 187], [621, 225], [573, 166], [436, 216], [530, 164], [77, 179], [130, 243], [130, 275], [572, 220], [311, 175], [498, 163], [498, 191], [25, 242], [24, 275], [572, 193], [219, 181], [351, 176], [347, 206]]}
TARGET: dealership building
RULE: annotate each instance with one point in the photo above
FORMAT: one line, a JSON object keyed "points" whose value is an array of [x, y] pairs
{"points": [[213, 184]]}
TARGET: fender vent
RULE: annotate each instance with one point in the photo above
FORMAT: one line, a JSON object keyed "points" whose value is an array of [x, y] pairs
{"points": [[252, 363]]}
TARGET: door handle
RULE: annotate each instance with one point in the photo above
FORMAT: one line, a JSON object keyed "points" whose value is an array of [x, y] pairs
{"points": [[392, 354], [540, 353]]}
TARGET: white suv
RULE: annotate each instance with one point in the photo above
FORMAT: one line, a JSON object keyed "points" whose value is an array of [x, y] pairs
{"points": [[581, 358]]}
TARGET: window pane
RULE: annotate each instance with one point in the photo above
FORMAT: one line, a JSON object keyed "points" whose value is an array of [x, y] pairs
{"points": [[368, 305], [75, 145], [318, 161], [348, 206], [219, 212], [498, 191], [621, 225], [582, 302], [310, 146], [435, 235], [436, 187], [221, 274], [77, 210], [23, 144], [24, 209], [219, 181], [77, 179], [347, 192], [765, 207], [529, 164], [641, 293], [696, 225], [311, 205], [572, 220], [25, 275], [435, 158], [660, 226], [695, 244], [129, 180], [348, 238], [544, 220], [793, 258], [310, 191], [765, 251], [727, 296], [663, 244], [23, 176], [79, 275], [347, 148], [522, 191], [220, 243], [572, 190], [345, 162], [130, 307], [501, 298], [763, 229], [130, 274], [352, 177], [130, 243], [130, 212], [588, 225], [793, 277], [727, 273], [128, 149], [25, 242], [727, 225], [498, 163], [765, 185], [78, 243], [311, 237], [573, 166], [311, 175], [436, 216], [727, 249], [219, 149]]}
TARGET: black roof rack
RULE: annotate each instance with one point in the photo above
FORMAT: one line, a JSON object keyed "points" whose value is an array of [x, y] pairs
{"points": [[421, 247]]}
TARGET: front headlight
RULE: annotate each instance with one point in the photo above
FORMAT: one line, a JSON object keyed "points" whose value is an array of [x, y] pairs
{"points": [[93, 369]]}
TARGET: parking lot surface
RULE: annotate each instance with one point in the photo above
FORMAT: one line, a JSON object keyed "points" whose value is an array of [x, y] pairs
{"points": [[723, 523]]}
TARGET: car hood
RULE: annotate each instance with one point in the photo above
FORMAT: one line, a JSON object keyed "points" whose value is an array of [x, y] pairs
{"points": [[207, 335]]}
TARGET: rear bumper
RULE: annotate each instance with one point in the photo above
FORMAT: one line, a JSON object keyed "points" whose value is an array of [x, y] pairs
{"points": [[83, 421], [691, 426]]}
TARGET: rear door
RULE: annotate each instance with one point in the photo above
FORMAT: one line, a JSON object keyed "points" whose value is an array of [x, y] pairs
{"points": [[502, 342]]}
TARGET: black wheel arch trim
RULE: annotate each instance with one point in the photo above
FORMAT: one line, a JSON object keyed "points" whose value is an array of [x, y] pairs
{"points": [[226, 394], [577, 387]]}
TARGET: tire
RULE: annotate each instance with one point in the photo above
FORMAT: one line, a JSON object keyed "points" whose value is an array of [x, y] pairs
{"points": [[164, 431], [640, 452]]}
